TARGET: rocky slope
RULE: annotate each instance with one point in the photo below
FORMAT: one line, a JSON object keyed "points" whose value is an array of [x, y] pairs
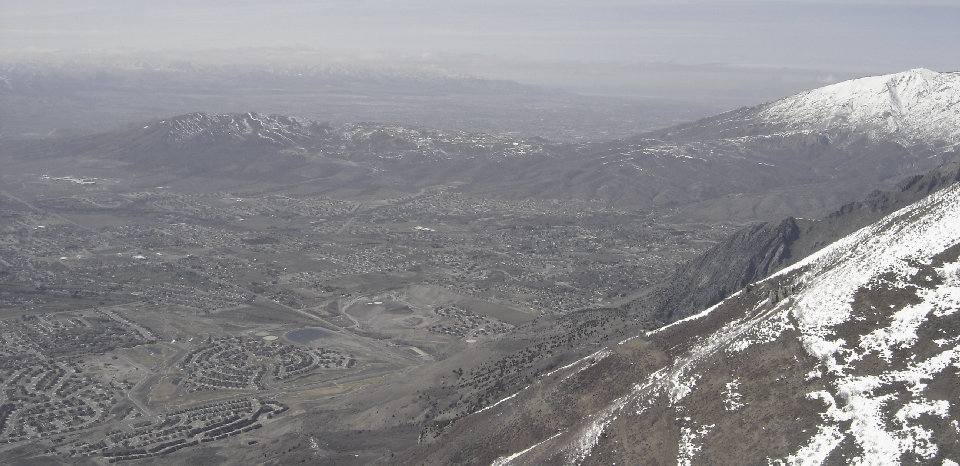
{"points": [[850, 355], [759, 250]]}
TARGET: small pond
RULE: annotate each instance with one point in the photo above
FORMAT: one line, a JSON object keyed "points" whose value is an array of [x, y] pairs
{"points": [[306, 335]]}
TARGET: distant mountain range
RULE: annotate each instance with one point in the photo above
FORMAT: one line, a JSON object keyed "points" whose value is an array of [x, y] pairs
{"points": [[77, 97], [789, 157]]}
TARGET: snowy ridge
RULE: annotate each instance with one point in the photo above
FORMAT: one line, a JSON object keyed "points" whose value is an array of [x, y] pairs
{"points": [[830, 279], [915, 105], [688, 319], [839, 270], [897, 245], [894, 254]]}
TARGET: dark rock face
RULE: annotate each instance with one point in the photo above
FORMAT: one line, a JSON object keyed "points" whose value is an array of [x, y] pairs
{"points": [[745, 257], [758, 251]]}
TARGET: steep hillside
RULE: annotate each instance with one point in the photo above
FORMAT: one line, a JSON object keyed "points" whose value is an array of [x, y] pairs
{"points": [[850, 355], [757, 251]]}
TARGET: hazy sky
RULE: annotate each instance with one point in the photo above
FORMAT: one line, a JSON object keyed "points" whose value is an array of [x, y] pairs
{"points": [[639, 47]]}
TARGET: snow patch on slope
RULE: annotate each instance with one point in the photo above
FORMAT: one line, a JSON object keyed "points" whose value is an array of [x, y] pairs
{"points": [[910, 236], [835, 273], [690, 435]]}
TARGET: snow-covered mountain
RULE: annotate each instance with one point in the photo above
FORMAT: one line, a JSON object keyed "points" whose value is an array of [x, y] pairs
{"points": [[910, 107], [915, 105], [849, 356], [806, 152]]}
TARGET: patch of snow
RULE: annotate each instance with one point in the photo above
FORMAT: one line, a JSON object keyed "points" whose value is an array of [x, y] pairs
{"points": [[588, 437], [902, 331], [592, 360], [939, 408], [732, 399], [688, 447], [499, 402], [818, 449], [505, 460], [692, 318], [765, 328], [595, 357]]}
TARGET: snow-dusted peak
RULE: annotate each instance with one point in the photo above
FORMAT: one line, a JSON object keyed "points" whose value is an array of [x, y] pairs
{"points": [[275, 129], [915, 105]]}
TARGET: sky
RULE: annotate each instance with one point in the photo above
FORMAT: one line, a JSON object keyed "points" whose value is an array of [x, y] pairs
{"points": [[752, 49]]}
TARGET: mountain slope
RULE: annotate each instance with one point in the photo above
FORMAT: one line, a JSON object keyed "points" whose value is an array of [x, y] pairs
{"points": [[204, 128], [232, 136], [851, 355], [759, 250], [915, 105]]}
